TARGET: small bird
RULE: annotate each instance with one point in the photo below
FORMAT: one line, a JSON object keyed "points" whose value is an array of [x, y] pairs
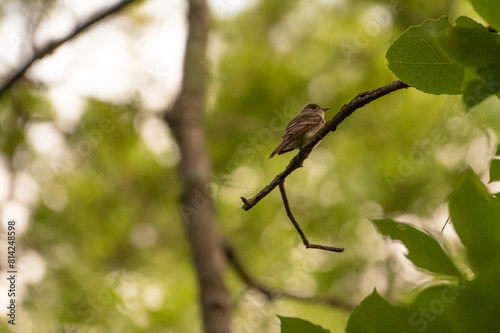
{"points": [[301, 129]]}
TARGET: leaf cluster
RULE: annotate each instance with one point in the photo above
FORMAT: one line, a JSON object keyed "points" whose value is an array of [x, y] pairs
{"points": [[438, 58]]}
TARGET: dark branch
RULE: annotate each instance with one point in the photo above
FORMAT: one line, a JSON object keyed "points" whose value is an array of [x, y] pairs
{"points": [[272, 293], [331, 125], [445, 223], [296, 225], [491, 29], [54, 44]]}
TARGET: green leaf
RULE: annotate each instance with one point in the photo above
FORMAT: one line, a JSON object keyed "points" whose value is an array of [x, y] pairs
{"points": [[417, 59], [467, 22], [494, 170], [497, 152], [375, 315], [486, 85], [296, 325], [439, 309], [476, 217], [423, 250], [489, 10], [470, 44]]}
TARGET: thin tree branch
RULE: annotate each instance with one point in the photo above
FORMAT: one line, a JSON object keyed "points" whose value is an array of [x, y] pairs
{"points": [[331, 125], [306, 242], [445, 223], [54, 44], [273, 293]]}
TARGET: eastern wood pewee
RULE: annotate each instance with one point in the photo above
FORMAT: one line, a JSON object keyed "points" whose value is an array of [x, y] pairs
{"points": [[301, 129]]}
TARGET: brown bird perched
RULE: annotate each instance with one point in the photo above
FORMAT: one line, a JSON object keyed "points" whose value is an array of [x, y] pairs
{"points": [[301, 129]]}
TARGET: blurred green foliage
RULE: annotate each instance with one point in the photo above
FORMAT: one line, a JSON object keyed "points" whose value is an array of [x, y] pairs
{"points": [[107, 223]]}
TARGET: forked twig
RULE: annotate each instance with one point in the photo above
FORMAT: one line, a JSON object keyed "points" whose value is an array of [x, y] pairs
{"points": [[273, 293], [306, 242]]}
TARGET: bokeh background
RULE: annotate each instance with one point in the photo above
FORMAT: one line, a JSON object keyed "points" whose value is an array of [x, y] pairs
{"points": [[88, 166]]}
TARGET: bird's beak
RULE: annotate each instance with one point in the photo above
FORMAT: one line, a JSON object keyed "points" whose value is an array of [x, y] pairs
{"points": [[325, 109]]}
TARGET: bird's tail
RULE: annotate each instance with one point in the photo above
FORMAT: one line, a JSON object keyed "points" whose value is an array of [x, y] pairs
{"points": [[281, 149], [274, 152]]}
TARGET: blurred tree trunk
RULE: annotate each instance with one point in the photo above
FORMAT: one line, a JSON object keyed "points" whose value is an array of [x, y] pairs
{"points": [[186, 120]]}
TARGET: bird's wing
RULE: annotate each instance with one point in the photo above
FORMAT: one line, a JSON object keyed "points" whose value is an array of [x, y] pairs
{"points": [[301, 125], [295, 130]]}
